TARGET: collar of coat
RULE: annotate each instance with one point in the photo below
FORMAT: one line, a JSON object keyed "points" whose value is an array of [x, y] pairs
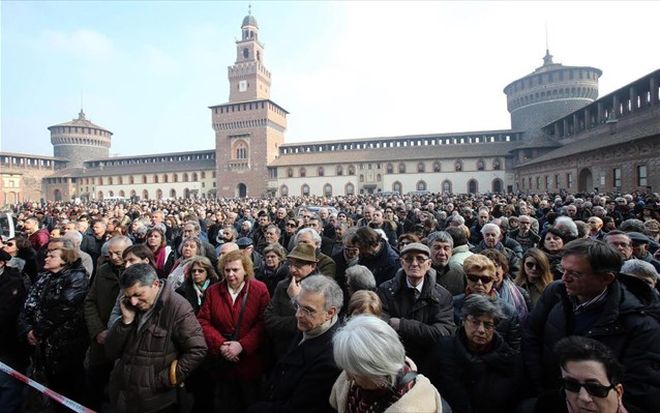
{"points": [[399, 284]]}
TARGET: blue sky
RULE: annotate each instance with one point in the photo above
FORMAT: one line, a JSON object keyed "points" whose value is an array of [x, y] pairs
{"points": [[149, 70]]}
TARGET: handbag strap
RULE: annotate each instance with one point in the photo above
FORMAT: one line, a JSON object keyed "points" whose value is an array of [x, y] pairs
{"points": [[240, 314]]}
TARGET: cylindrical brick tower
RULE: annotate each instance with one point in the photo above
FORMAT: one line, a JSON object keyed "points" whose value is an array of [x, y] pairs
{"points": [[80, 140], [548, 93]]}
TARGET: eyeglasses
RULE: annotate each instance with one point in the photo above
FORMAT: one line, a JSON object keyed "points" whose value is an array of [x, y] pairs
{"points": [[570, 273], [594, 389], [291, 224], [198, 270], [488, 326], [531, 265], [410, 260], [10, 244], [306, 311], [485, 279]]}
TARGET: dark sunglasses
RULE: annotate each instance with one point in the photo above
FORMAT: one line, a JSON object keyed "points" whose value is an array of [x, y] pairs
{"points": [[531, 265], [10, 244], [476, 278], [594, 389], [291, 224]]}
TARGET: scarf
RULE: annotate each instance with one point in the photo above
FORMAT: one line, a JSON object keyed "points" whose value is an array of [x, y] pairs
{"points": [[378, 400], [509, 293], [159, 257], [199, 290]]}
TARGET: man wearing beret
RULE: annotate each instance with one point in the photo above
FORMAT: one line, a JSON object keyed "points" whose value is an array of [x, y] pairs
{"points": [[418, 308]]}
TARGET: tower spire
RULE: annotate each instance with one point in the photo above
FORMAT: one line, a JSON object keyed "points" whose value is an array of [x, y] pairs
{"points": [[81, 115], [547, 59]]}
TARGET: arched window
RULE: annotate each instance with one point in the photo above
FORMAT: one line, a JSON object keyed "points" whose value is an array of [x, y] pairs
{"points": [[350, 189], [303, 172], [145, 194], [175, 178], [446, 186], [111, 193], [458, 166], [289, 173], [122, 193], [185, 177], [421, 186], [304, 190], [361, 178], [472, 186], [159, 194], [120, 180], [321, 171], [155, 179], [131, 180], [436, 166], [246, 53], [240, 150], [396, 187], [284, 190], [144, 179], [101, 180], [194, 176], [327, 190], [497, 165], [402, 168], [172, 193], [166, 178], [390, 168], [497, 185], [351, 169], [110, 181], [340, 170], [480, 165], [421, 167]]}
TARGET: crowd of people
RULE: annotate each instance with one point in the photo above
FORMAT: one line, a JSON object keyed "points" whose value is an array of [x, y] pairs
{"points": [[370, 303]]}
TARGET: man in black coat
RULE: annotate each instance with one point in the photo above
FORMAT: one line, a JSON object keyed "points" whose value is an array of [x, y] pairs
{"points": [[13, 352], [302, 379], [420, 310], [593, 300]]}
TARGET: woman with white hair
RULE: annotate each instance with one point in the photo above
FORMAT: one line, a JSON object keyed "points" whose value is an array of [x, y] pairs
{"points": [[376, 375]]}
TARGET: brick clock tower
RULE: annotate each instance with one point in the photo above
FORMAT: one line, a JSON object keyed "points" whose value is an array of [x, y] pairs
{"points": [[250, 127]]}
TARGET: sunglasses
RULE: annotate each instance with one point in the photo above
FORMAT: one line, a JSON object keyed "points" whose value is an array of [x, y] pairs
{"points": [[594, 389], [291, 224], [531, 265], [197, 270], [10, 244], [476, 278]]}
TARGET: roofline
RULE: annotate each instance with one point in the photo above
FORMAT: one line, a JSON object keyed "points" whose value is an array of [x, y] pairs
{"points": [[552, 69], [248, 101], [29, 155], [427, 135], [153, 155]]}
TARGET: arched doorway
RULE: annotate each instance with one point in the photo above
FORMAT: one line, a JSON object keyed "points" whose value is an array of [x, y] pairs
{"points": [[173, 193], [99, 196], [57, 195], [241, 190], [585, 181], [497, 185], [145, 194], [159, 194], [472, 186], [186, 193]]}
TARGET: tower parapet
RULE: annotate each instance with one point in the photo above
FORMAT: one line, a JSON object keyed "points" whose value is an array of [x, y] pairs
{"points": [[550, 92], [80, 140]]}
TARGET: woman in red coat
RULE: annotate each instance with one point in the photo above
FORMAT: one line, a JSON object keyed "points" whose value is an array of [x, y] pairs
{"points": [[232, 318]]}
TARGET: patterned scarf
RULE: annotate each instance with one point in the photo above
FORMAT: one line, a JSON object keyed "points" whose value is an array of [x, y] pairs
{"points": [[377, 401], [199, 290]]}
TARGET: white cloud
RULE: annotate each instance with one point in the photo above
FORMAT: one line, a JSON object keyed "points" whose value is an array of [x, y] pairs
{"points": [[82, 43]]}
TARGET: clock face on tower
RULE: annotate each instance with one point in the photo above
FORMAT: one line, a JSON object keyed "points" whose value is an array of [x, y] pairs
{"points": [[242, 85]]}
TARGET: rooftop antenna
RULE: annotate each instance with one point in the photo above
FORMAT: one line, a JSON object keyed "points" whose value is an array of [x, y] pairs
{"points": [[547, 59]]}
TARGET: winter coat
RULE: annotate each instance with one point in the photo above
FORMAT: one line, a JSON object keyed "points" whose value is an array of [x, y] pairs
{"points": [[421, 398], [531, 240], [13, 292], [384, 264], [452, 277], [424, 320], [626, 321], [140, 380], [280, 319], [92, 245], [511, 256], [302, 380], [54, 312], [509, 327], [187, 290], [476, 383], [460, 253], [219, 317], [98, 306]]}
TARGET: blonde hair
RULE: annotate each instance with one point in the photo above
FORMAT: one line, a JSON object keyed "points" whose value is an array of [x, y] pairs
{"points": [[365, 302]]}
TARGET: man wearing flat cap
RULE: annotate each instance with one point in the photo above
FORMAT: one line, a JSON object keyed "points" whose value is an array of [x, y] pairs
{"points": [[280, 315], [640, 249], [418, 308]]}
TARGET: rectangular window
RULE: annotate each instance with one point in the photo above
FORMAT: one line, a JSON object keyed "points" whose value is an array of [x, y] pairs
{"points": [[538, 182], [569, 180], [641, 176], [547, 182], [557, 181], [616, 177]]}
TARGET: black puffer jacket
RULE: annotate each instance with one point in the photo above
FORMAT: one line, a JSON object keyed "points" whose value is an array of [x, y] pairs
{"points": [[626, 321], [384, 264], [475, 383], [12, 296], [424, 320], [54, 311]]}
